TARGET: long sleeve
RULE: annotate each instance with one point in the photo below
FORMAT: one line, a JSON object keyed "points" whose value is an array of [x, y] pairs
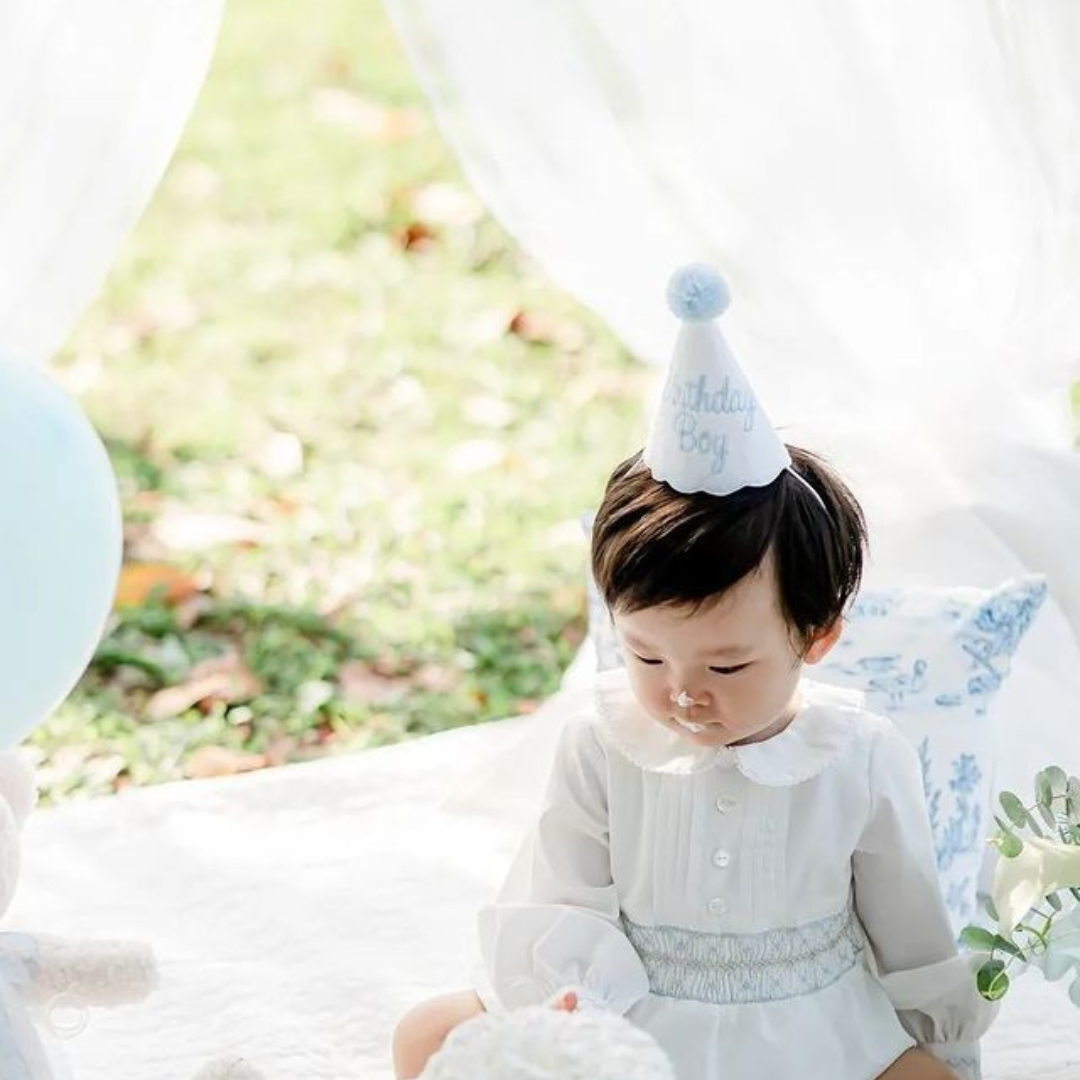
{"points": [[899, 902], [555, 925]]}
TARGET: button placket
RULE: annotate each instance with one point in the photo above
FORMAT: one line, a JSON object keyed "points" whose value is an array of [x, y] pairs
{"points": [[724, 804]]}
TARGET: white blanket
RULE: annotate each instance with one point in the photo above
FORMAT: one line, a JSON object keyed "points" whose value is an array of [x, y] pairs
{"points": [[297, 912]]}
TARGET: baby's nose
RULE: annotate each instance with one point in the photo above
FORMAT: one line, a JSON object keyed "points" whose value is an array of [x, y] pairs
{"points": [[684, 699]]}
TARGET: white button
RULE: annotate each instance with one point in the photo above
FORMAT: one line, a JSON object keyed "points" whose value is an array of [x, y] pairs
{"points": [[724, 803], [716, 906], [720, 857]]}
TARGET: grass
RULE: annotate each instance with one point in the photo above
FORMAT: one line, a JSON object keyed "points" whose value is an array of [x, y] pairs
{"points": [[354, 428]]}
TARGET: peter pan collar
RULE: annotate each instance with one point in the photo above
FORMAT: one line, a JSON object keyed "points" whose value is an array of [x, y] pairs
{"points": [[822, 728]]}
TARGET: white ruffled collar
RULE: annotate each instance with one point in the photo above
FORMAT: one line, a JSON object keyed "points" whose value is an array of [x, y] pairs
{"points": [[822, 728]]}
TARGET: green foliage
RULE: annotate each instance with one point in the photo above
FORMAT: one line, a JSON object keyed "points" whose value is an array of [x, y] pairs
{"points": [[341, 400], [992, 980], [1056, 798]]}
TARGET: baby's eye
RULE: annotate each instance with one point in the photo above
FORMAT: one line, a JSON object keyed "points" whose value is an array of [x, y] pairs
{"points": [[729, 670], [644, 660]]}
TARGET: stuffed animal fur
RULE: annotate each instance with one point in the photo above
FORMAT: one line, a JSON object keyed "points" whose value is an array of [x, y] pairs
{"points": [[46, 979]]}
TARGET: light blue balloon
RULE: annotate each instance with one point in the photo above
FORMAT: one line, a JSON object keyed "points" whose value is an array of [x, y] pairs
{"points": [[60, 546]]}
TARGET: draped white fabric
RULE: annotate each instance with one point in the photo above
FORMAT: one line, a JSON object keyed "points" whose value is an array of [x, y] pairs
{"points": [[93, 98], [892, 190]]}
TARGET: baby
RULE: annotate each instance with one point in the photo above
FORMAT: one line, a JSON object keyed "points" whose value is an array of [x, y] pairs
{"points": [[736, 858]]}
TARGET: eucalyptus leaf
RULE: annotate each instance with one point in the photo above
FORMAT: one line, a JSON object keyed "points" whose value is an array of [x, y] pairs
{"points": [[1003, 944], [1013, 808], [1056, 778], [1072, 800], [1010, 845], [992, 981], [991, 908], [1044, 790], [978, 939], [1048, 815], [1053, 901]]}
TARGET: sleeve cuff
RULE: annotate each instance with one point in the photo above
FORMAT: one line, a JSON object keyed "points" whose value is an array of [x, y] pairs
{"points": [[530, 950], [961, 1057]]}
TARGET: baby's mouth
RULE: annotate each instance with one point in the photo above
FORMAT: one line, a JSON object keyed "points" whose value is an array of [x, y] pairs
{"points": [[690, 725]]}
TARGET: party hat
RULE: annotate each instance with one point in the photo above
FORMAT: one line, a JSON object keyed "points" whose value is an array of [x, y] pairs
{"points": [[709, 432]]}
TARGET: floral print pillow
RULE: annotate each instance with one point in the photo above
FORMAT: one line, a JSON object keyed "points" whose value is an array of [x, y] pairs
{"points": [[932, 660]]}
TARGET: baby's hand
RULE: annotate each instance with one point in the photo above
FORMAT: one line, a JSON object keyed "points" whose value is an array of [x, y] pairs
{"points": [[567, 1002]]}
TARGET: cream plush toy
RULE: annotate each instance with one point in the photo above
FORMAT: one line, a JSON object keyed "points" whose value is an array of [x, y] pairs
{"points": [[541, 1043], [48, 979]]}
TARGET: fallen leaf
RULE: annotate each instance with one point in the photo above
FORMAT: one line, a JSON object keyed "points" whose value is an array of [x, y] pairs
{"points": [[139, 581], [416, 236], [220, 679], [365, 117], [190, 611], [181, 531], [279, 750], [437, 679], [359, 683], [538, 328], [211, 761]]}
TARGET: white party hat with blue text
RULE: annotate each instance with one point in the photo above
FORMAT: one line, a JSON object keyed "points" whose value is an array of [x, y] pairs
{"points": [[709, 432]]}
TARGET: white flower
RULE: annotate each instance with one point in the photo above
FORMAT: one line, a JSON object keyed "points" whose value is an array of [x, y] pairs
{"points": [[1042, 867]]}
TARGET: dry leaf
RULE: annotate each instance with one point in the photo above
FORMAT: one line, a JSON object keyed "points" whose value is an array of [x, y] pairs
{"points": [[359, 683], [365, 117], [190, 611], [138, 581], [180, 531], [220, 679], [416, 236], [538, 328], [437, 679], [210, 761], [279, 750]]}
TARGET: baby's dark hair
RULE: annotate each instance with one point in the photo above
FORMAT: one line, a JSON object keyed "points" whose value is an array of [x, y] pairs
{"points": [[652, 546]]}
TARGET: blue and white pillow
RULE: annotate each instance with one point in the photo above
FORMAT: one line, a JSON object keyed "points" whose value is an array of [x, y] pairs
{"points": [[932, 660]]}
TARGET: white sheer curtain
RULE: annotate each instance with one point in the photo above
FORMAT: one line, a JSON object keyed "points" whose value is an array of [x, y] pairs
{"points": [[893, 191], [93, 98]]}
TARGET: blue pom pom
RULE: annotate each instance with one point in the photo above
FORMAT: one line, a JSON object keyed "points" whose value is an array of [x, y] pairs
{"points": [[697, 292]]}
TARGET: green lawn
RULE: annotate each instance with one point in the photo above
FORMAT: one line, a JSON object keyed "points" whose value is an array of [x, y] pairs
{"points": [[355, 420]]}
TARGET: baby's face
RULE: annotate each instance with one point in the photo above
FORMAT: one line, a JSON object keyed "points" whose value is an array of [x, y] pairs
{"points": [[736, 660]]}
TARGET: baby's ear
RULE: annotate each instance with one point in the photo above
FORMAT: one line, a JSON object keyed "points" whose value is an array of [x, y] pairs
{"points": [[821, 642]]}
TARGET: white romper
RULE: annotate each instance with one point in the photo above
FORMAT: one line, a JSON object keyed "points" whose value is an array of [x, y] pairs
{"points": [[768, 910]]}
